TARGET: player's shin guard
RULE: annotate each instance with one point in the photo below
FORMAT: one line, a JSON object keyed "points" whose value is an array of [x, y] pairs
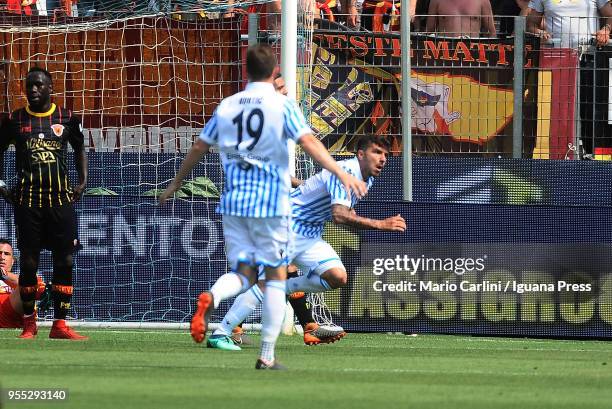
{"points": [[61, 289], [301, 308], [298, 301], [308, 284], [227, 286], [242, 307], [272, 317], [62, 295], [28, 295], [27, 290]]}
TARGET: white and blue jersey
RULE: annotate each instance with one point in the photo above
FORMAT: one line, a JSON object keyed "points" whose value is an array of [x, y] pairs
{"points": [[311, 202], [251, 129]]}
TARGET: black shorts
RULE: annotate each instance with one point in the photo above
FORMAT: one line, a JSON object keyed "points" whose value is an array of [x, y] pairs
{"points": [[52, 228]]}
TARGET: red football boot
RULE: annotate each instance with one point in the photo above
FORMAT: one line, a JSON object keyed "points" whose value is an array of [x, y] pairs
{"points": [[60, 330], [29, 327]]}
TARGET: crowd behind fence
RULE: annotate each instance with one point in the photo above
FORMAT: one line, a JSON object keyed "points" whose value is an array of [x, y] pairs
{"points": [[466, 75], [475, 95]]}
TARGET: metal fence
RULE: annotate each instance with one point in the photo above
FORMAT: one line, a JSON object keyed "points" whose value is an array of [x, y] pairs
{"points": [[471, 95]]}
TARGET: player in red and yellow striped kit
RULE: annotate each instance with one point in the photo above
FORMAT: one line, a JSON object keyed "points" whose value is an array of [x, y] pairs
{"points": [[43, 196]]}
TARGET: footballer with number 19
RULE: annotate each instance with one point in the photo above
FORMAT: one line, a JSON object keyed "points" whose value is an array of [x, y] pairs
{"points": [[252, 129]]}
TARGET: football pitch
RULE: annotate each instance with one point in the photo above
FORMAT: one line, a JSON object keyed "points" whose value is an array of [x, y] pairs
{"points": [[165, 369]]}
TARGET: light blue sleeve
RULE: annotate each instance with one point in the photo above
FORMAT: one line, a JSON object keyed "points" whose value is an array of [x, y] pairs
{"points": [[337, 191], [210, 133], [295, 125]]}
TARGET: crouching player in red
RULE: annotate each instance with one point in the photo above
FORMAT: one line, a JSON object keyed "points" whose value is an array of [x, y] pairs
{"points": [[11, 311]]}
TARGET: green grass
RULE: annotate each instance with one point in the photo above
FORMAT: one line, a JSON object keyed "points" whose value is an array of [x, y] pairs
{"points": [[147, 369]]}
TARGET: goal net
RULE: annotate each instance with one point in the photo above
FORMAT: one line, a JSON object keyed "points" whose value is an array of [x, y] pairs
{"points": [[144, 86]]}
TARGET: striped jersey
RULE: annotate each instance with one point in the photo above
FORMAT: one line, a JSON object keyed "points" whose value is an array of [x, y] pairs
{"points": [[311, 202], [41, 142], [251, 129]]}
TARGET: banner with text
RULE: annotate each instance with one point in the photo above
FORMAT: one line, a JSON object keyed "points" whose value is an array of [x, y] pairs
{"points": [[461, 89], [495, 270]]}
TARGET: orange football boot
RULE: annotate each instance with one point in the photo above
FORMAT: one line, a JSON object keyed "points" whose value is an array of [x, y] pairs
{"points": [[314, 334], [199, 321]]}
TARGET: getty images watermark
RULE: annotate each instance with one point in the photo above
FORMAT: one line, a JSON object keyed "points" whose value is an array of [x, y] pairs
{"points": [[412, 265], [405, 273]]}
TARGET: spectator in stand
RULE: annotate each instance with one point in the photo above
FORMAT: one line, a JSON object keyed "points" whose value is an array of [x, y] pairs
{"points": [[347, 12], [382, 16], [147, 6], [419, 21], [413, 4], [41, 6], [70, 8], [506, 9], [21, 6], [51, 5], [575, 25], [60, 8], [55, 8], [572, 24], [461, 18]]}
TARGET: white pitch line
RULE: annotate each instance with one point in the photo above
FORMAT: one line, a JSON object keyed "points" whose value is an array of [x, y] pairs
{"points": [[429, 371], [314, 370], [405, 347]]}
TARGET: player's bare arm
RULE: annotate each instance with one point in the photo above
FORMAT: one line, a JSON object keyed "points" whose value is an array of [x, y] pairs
{"points": [[11, 279], [295, 182], [432, 17], [350, 8], [534, 22], [317, 151], [198, 149], [343, 215], [80, 160], [486, 13]]}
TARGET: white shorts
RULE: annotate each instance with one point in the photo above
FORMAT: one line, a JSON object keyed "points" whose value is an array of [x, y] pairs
{"points": [[311, 256], [256, 241]]}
